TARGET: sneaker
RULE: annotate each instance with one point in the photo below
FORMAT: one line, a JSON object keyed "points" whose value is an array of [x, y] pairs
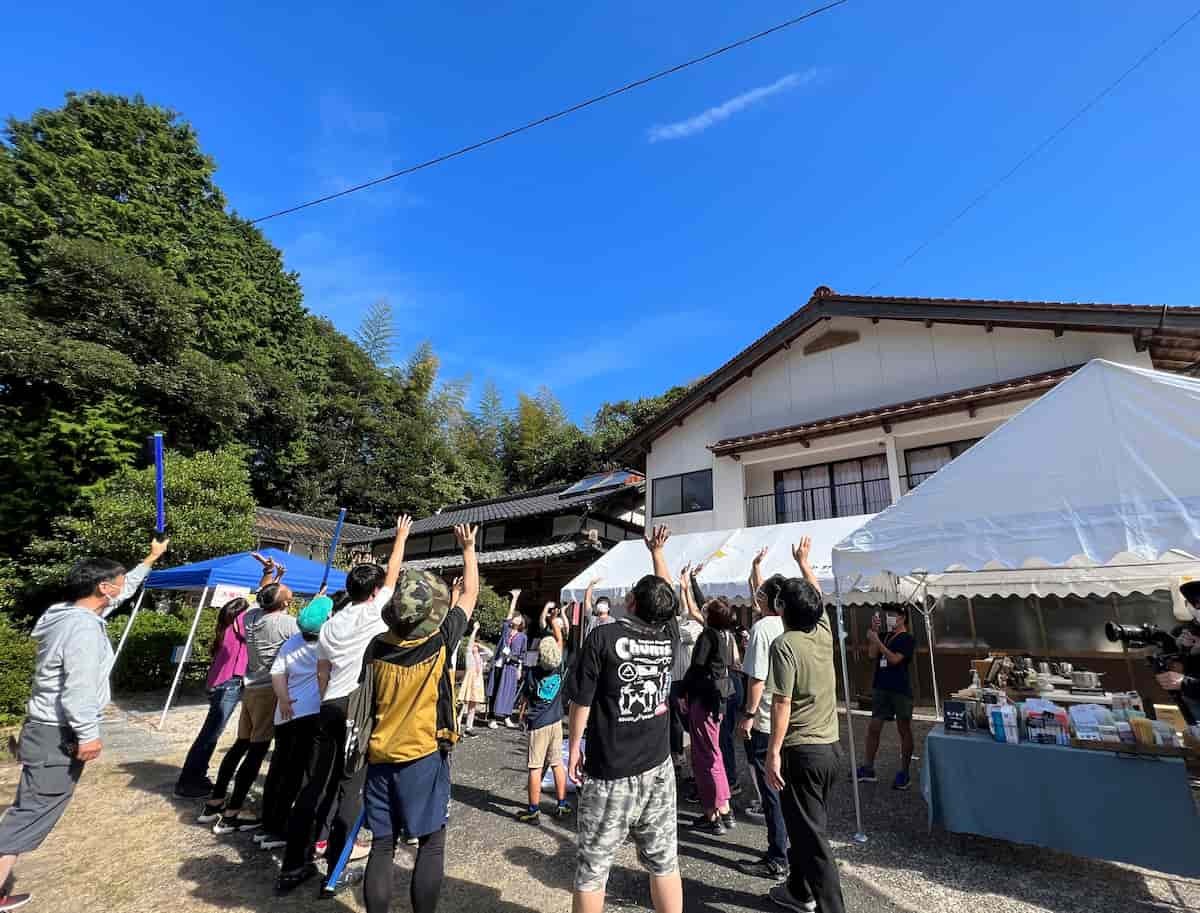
{"points": [[349, 878], [692, 798], [786, 899], [210, 813], [867, 775], [736, 789], [754, 810], [320, 847], [509, 724], [728, 822], [194, 789], [271, 841], [709, 826], [235, 825], [492, 724], [289, 881], [360, 851], [470, 734], [771, 869], [411, 841], [903, 781], [14, 901], [529, 816], [563, 810]]}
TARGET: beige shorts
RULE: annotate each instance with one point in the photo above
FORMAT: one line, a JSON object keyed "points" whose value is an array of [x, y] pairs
{"points": [[545, 746], [257, 722]]}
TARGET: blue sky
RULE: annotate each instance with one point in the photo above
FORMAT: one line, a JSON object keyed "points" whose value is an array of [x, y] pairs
{"points": [[642, 242]]}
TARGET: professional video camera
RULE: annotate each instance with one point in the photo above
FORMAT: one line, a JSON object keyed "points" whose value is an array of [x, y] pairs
{"points": [[1137, 637]]}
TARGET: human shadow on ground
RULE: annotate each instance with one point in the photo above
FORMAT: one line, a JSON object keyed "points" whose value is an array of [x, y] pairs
{"points": [[485, 801], [158, 779]]}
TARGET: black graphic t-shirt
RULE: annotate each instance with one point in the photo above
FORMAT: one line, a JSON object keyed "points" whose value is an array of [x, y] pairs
{"points": [[624, 674]]}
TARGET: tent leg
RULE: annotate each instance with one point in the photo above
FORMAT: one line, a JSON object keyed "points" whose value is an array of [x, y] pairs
{"points": [[927, 614], [859, 836], [128, 627], [183, 657]]}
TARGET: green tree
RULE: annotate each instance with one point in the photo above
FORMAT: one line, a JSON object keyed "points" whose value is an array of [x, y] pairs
{"points": [[210, 512]]}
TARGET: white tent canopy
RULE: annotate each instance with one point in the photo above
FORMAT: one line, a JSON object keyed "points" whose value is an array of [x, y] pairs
{"points": [[727, 556], [1098, 473]]}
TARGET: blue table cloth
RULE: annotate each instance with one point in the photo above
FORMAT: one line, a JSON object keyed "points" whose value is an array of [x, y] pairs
{"points": [[1088, 803]]}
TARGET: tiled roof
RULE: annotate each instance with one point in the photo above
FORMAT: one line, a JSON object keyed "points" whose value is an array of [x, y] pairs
{"points": [[270, 523], [508, 556], [508, 507], [1171, 334], [1003, 391]]}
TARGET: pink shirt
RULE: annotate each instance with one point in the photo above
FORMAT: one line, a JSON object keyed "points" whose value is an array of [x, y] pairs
{"points": [[230, 658]]}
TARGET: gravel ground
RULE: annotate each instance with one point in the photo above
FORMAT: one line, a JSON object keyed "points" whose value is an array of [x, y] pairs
{"points": [[128, 845]]}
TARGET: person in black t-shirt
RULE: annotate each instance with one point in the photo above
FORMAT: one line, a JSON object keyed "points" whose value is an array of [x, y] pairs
{"points": [[892, 652], [619, 690]]}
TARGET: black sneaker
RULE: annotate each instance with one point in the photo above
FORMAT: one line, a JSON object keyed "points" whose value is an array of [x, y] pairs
{"points": [[289, 881], [210, 813], [14, 901], [728, 822], [766, 867], [235, 825], [736, 789], [194, 789], [789, 901], [271, 841], [692, 798], [349, 878], [709, 826]]}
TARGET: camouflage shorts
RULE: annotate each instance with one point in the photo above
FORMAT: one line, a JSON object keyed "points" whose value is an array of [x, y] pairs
{"points": [[642, 806]]}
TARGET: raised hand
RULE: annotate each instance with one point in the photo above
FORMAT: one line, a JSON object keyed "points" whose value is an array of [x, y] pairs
{"points": [[761, 554], [158, 548], [801, 550], [403, 526], [465, 533], [657, 539]]}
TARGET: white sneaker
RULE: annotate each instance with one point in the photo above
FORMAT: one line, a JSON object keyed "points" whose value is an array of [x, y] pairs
{"points": [[492, 724], [509, 724]]}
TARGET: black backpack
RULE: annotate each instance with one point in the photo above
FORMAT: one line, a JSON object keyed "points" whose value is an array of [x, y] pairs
{"points": [[360, 716]]}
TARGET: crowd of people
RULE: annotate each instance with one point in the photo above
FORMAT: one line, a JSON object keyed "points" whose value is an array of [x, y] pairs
{"points": [[358, 693]]}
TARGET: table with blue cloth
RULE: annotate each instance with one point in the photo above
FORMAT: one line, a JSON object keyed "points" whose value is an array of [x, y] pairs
{"points": [[1100, 804]]}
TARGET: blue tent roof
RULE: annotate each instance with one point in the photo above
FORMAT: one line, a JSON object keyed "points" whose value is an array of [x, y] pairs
{"points": [[303, 575]]}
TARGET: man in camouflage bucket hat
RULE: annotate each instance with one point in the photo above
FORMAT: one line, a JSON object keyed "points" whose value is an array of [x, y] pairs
{"points": [[408, 756], [419, 607]]}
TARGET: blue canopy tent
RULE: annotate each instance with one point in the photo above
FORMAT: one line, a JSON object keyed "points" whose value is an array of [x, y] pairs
{"points": [[304, 576]]}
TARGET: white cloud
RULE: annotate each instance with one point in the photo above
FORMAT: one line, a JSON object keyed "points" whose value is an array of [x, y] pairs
{"points": [[722, 112]]}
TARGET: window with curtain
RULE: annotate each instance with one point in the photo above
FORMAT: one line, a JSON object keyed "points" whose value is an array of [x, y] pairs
{"points": [[923, 462], [841, 489]]}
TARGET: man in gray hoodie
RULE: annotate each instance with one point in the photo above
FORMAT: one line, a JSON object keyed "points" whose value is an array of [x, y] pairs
{"points": [[70, 690]]}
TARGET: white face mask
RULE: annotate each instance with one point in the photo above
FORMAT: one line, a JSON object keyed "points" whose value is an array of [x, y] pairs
{"points": [[110, 606]]}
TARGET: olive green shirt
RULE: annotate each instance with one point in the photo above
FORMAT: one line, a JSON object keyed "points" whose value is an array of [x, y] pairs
{"points": [[802, 667]]}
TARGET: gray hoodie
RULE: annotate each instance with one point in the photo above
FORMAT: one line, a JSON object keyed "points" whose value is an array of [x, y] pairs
{"points": [[74, 658]]}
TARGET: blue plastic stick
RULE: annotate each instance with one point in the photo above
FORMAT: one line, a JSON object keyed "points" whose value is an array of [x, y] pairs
{"points": [[332, 880], [337, 534], [160, 506]]}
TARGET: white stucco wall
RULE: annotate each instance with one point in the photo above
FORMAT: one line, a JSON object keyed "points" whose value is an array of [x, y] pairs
{"points": [[893, 361]]}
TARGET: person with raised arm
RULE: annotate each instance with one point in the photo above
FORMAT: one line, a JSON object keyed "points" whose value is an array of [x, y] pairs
{"points": [[408, 754], [596, 612], [803, 755], [70, 691], [341, 644], [755, 719], [619, 690]]}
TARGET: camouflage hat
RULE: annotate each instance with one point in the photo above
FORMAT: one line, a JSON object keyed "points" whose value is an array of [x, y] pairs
{"points": [[421, 601]]}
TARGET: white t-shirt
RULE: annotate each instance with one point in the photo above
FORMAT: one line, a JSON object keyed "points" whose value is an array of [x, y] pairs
{"points": [[297, 659], [689, 631], [757, 664], [344, 639]]}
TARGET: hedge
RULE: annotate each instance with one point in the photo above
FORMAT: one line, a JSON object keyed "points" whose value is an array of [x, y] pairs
{"points": [[145, 662], [16, 671]]}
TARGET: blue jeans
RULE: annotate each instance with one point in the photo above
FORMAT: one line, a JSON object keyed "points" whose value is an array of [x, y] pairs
{"points": [[733, 710], [777, 840], [222, 701]]}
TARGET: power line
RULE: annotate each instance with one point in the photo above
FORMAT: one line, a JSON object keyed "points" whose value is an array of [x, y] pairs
{"points": [[541, 121], [1033, 153]]}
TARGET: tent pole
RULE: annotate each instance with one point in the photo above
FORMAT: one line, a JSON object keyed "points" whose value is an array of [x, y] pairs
{"points": [[859, 836], [128, 627], [927, 614], [183, 657]]}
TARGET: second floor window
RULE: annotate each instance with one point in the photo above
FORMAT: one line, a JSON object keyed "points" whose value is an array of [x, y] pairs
{"points": [[842, 489], [682, 494], [922, 462]]}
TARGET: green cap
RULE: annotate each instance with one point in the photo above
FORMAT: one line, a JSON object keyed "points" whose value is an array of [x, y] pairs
{"points": [[315, 614], [419, 605]]}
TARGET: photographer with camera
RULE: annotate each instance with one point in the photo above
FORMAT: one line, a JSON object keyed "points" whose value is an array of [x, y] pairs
{"points": [[1181, 678]]}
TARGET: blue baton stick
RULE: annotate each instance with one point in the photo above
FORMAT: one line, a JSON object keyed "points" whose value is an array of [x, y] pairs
{"points": [[160, 507], [332, 880], [337, 534]]}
